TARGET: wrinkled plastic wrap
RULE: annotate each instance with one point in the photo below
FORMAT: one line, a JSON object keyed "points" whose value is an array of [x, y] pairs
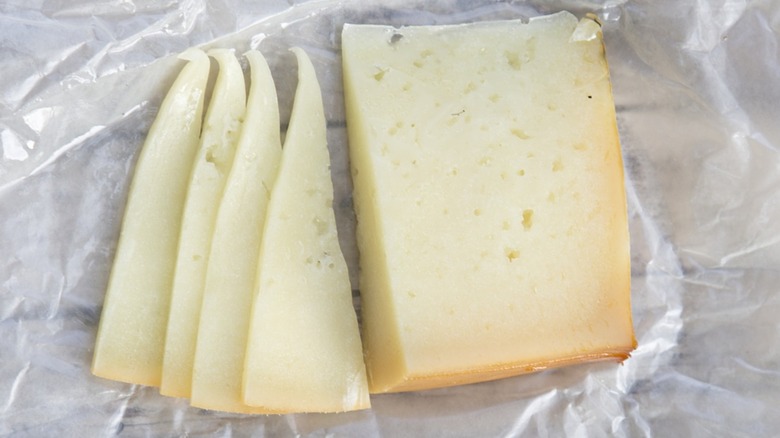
{"points": [[697, 90]]}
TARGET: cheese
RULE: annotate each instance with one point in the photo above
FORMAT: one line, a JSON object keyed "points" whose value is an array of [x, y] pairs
{"points": [[489, 195], [129, 345], [230, 279], [212, 165], [304, 351]]}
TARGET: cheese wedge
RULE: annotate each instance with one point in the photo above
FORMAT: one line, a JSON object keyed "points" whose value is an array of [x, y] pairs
{"points": [[212, 165], [490, 200], [227, 298], [304, 351], [129, 345]]}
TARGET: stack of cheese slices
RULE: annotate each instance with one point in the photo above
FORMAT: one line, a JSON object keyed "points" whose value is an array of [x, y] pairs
{"points": [[229, 286], [491, 212]]}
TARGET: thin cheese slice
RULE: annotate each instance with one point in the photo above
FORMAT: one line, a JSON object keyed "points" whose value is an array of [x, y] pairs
{"points": [[489, 194], [129, 344], [212, 165], [227, 298], [304, 351]]}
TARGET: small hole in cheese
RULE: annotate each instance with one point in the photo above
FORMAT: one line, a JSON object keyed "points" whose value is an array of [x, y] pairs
{"points": [[513, 59], [528, 219], [211, 155], [519, 133], [378, 76], [320, 225]]}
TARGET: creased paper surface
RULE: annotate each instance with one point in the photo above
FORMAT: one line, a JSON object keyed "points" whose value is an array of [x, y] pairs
{"points": [[697, 90]]}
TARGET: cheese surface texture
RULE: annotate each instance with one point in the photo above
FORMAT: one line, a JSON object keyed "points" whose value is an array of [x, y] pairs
{"points": [[130, 340], [490, 200], [304, 351]]}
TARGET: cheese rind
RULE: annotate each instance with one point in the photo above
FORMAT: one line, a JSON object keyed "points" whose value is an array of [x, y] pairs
{"points": [[129, 345], [304, 352], [230, 279], [213, 162], [489, 194]]}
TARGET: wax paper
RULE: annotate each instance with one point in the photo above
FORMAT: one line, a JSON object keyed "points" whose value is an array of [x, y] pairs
{"points": [[697, 92]]}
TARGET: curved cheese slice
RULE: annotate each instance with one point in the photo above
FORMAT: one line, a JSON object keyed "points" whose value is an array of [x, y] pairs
{"points": [[304, 351], [129, 344], [212, 165], [489, 194], [229, 289]]}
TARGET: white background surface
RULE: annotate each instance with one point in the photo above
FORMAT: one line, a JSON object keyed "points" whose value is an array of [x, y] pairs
{"points": [[697, 90]]}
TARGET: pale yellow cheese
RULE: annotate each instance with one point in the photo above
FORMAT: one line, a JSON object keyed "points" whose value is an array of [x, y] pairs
{"points": [[227, 298], [490, 200], [304, 351], [221, 129], [129, 345]]}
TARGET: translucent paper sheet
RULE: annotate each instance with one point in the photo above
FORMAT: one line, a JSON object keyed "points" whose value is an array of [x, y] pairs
{"points": [[697, 89]]}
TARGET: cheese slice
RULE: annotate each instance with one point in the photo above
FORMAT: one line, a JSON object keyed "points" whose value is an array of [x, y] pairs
{"points": [[212, 165], [230, 279], [489, 195], [304, 351], [129, 345]]}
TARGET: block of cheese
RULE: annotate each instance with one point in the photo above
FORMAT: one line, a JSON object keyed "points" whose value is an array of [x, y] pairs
{"points": [[304, 352], [232, 266], [129, 345], [221, 129], [490, 200]]}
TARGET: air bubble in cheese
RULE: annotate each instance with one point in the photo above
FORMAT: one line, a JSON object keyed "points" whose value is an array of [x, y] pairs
{"points": [[490, 200], [129, 345], [304, 352]]}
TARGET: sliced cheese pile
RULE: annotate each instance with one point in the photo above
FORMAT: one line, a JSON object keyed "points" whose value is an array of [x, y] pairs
{"points": [[489, 194], [190, 254]]}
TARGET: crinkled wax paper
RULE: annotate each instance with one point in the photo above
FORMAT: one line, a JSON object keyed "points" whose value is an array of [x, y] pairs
{"points": [[697, 90]]}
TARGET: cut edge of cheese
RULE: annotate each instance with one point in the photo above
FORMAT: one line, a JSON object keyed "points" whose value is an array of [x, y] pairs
{"points": [[377, 307], [388, 368], [129, 342], [221, 128]]}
